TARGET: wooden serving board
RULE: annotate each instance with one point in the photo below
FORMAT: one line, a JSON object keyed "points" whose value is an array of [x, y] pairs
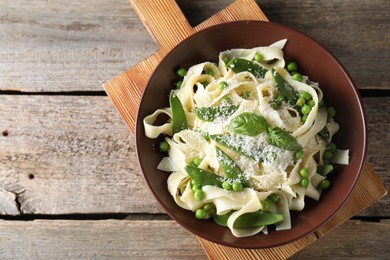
{"points": [[168, 26]]}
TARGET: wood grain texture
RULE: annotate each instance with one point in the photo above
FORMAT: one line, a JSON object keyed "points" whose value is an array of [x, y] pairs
{"points": [[72, 46], [164, 21], [125, 90], [79, 45], [121, 239], [215, 251], [85, 162]]}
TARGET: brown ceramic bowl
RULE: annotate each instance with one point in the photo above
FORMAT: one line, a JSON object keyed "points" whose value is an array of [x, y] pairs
{"points": [[316, 62]]}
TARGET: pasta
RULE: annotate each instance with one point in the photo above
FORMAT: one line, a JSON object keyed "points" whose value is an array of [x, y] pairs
{"points": [[248, 141]]}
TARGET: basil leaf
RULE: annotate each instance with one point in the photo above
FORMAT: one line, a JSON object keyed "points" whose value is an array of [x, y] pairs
{"points": [[280, 138], [248, 123]]}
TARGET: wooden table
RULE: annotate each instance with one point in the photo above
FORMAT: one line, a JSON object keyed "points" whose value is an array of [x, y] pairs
{"points": [[70, 185]]}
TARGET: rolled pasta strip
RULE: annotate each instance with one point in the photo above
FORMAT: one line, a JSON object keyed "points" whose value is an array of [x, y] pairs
{"points": [[177, 185], [283, 208], [153, 131], [319, 123]]}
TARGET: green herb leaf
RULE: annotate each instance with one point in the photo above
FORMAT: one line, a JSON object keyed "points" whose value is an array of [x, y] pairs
{"points": [[280, 138], [248, 123]]}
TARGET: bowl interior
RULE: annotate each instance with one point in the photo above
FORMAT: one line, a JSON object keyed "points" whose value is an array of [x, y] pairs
{"points": [[313, 60]]}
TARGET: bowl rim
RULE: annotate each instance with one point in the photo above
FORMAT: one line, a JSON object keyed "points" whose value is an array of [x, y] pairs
{"points": [[361, 112]]}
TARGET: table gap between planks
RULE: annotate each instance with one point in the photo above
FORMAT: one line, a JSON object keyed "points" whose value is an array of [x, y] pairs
{"points": [[69, 174]]}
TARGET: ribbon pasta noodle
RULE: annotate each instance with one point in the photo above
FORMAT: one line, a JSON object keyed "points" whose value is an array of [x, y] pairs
{"points": [[255, 142]]}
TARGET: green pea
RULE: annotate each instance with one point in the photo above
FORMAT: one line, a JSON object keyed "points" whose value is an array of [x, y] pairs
{"points": [[258, 57], [163, 146], [208, 206], [226, 185], [306, 95], [331, 111], [303, 173], [222, 85], [265, 204], [292, 66], [199, 195], [332, 147], [305, 109], [325, 169], [209, 71], [328, 154], [324, 184], [194, 182], [196, 187], [304, 182], [297, 77], [325, 162], [237, 186], [181, 72], [179, 83], [197, 160], [277, 102], [311, 103], [200, 213], [301, 102], [304, 118], [273, 197]]}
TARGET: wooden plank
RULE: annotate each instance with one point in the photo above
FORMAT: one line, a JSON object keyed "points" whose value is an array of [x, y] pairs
{"points": [[83, 162], [121, 239], [354, 239], [105, 239], [51, 46], [86, 162]]}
